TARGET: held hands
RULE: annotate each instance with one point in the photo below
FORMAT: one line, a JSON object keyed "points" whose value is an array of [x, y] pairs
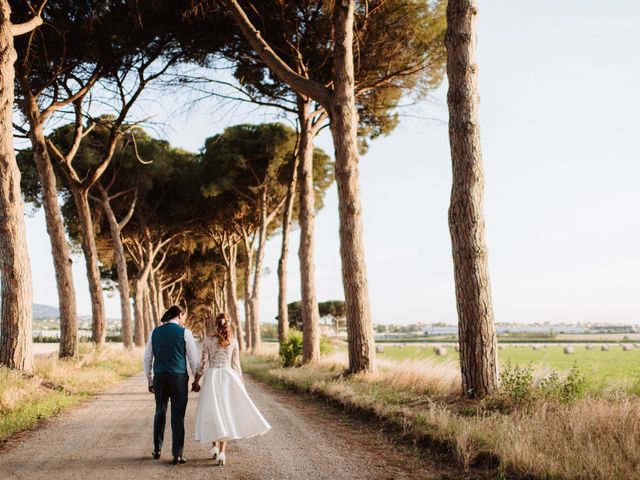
{"points": [[195, 387]]}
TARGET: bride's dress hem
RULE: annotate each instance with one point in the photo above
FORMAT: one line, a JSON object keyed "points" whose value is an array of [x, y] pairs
{"points": [[228, 439]]}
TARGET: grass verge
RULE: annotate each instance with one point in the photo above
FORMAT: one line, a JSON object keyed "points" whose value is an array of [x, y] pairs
{"points": [[589, 438], [57, 385]]}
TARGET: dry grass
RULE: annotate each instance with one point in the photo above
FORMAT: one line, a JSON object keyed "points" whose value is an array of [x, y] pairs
{"points": [[14, 388], [591, 438], [58, 384], [91, 372]]}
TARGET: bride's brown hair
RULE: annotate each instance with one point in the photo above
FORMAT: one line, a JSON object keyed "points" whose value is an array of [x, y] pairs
{"points": [[223, 331]]}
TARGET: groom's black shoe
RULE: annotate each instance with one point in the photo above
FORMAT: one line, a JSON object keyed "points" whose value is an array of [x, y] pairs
{"points": [[156, 455], [179, 460]]}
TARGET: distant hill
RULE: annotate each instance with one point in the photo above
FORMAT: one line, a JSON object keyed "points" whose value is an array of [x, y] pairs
{"points": [[45, 311]]}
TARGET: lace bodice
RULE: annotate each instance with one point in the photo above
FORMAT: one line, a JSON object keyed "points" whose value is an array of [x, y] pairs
{"points": [[216, 356]]}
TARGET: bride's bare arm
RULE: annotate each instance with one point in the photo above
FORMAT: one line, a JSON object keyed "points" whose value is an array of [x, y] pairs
{"points": [[204, 362], [235, 359]]}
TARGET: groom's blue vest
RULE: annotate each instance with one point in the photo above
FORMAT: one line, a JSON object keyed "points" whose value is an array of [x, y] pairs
{"points": [[169, 349]]}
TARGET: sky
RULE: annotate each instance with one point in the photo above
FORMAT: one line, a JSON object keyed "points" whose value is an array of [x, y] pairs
{"points": [[559, 123]]}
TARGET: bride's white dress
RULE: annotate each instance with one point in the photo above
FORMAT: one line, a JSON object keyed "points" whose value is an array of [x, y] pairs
{"points": [[225, 411]]}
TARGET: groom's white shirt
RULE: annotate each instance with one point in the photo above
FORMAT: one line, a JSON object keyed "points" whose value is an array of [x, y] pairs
{"points": [[192, 354]]}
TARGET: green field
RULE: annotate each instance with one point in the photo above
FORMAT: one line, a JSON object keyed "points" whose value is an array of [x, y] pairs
{"points": [[603, 370]]}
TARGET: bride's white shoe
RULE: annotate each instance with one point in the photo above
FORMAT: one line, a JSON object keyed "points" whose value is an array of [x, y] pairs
{"points": [[220, 459], [214, 452]]}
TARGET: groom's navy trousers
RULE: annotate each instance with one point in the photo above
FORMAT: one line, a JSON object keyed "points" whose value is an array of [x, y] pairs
{"points": [[174, 387]]}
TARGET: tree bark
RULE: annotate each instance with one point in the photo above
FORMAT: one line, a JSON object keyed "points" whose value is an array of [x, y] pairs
{"points": [[153, 299], [344, 123], [146, 312], [98, 324], [16, 314], [283, 312], [159, 298], [248, 330], [138, 300], [309, 302], [121, 267], [60, 251], [232, 294], [148, 315], [215, 306], [166, 300], [477, 335], [144, 256], [256, 340]]}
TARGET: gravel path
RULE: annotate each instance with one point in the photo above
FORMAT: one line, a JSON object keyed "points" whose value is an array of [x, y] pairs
{"points": [[109, 438]]}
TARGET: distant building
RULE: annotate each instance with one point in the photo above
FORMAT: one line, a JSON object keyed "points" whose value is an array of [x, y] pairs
{"points": [[612, 329]]}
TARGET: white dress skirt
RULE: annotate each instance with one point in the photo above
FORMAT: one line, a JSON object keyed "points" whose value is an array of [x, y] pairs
{"points": [[225, 411]]}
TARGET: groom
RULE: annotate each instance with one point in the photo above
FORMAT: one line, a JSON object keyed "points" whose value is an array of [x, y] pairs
{"points": [[169, 348]]}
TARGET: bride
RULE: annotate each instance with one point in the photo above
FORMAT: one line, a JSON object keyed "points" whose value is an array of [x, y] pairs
{"points": [[225, 411]]}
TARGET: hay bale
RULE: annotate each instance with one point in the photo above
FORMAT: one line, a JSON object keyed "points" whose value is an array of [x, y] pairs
{"points": [[588, 346], [456, 348], [627, 348], [441, 351], [501, 347], [536, 347], [379, 348], [604, 348], [569, 350], [636, 345]]}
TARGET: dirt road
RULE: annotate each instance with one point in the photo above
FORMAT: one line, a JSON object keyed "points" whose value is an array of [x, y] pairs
{"points": [[109, 438]]}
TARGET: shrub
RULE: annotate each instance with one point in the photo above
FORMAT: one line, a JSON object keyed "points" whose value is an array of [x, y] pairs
{"points": [[291, 350], [326, 346], [516, 383], [519, 387], [573, 387]]}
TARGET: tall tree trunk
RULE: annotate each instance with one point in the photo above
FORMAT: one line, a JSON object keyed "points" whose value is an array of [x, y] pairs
{"points": [[309, 302], [60, 251], [283, 312], [256, 339], [148, 314], [153, 299], [16, 312], [138, 302], [215, 306], [223, 293], [159, 297], [248, 331], [344, 123], [477, 335], [121, 267], [146, 322], [232, 294], [98, 324], [166, 300]]}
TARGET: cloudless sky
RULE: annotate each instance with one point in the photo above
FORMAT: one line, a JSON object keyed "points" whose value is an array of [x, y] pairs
{"points": [[560, 131]]}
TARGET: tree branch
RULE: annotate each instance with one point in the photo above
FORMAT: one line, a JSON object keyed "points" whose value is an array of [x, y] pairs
{"points": [[26, 27], [56, 105], [303, 85]]}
